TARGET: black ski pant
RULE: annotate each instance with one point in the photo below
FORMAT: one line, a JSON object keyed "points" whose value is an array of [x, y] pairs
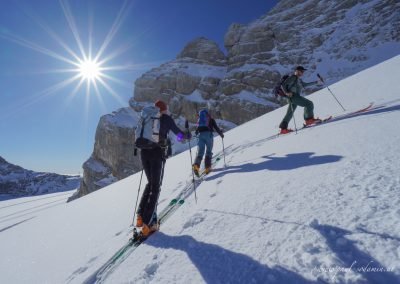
{"points": [[153, 162], [293, 103]]}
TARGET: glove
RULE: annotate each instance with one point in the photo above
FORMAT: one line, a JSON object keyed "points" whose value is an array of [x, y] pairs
{"points": [[188, 135], [180, 137]]}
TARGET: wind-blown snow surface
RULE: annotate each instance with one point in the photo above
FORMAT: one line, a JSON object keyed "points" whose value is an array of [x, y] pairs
{"points": [[322, 205]]}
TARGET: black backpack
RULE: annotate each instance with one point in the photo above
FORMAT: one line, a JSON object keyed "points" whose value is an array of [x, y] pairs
{"points": [[278, 88]]}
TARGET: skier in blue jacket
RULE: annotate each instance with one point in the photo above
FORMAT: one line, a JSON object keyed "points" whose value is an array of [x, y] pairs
{"points": [[205, 127]]}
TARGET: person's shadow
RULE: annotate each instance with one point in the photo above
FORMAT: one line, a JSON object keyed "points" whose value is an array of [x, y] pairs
{"points": [[219, 265], [288, 162], [352, 257]]}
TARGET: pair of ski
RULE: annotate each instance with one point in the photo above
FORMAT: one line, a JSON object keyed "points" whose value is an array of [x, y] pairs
{"points": [[345, 115], [338, 117], [123, 253]]}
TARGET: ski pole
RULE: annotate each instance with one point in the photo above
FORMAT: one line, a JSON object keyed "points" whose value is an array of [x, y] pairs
{"points": [[137, 198], [191, 160], [223, 151], [322, 80]]}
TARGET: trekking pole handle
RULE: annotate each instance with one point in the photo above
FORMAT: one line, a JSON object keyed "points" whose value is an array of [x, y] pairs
{"points": [[320, 77]]}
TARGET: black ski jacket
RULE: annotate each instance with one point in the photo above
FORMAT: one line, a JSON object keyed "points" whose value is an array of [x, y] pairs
{"points": [[167, 124]]}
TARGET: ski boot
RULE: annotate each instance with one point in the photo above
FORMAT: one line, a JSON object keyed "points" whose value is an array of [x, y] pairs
{"points": [[139, 221], [196, 170], [312, 121], [285, 130], [207, 164]]}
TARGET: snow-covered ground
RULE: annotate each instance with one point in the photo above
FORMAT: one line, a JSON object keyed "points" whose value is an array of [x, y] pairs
{"points": [[322, 205]]}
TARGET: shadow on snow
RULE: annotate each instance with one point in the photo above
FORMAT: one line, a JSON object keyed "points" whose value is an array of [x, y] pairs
{"points": [[346, 250], [219, 265], [352, 257], [289, 162]]}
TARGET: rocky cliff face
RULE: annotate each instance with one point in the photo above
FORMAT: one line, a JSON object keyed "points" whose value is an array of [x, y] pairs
{"points": [[335, 38], [17, 181], [113, 155]]}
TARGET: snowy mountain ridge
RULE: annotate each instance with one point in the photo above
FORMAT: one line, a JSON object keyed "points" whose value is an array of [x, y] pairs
{"points": [[17, 181], [321, 206]]}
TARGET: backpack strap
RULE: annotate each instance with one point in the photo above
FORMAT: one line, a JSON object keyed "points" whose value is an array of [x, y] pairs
{"points": [[142, 130], [291, 86]]}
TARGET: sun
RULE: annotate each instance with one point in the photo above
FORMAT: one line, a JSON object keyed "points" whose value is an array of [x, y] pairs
{"points": [[89, 64], [89, 70]]}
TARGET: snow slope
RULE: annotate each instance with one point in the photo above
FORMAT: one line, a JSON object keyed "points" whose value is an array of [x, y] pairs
{"points": [[319, 206]]}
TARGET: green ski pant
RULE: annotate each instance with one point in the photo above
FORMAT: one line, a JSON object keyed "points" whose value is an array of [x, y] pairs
{"points": [[293, 103]]}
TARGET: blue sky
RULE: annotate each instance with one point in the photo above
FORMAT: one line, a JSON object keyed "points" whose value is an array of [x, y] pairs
{"points": [[46, 123]]}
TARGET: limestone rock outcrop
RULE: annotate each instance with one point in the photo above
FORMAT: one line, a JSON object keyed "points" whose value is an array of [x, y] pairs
{"points": [[113, 155]]}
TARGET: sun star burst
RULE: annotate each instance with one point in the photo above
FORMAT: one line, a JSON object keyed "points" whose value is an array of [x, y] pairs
{"points": [[89, 70], [90, 65]]}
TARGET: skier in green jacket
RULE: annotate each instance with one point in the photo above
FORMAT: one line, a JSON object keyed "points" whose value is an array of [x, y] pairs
{"points": [[292, 87]]}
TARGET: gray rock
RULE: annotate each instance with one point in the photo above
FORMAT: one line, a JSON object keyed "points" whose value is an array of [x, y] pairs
{"points": [[203, 50], [113, 156], [239, 111], [232, 37], [186, 83], [209, 84]]}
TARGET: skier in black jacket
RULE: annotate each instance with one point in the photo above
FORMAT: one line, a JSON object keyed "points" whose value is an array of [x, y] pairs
{"points": [[153, 161]]}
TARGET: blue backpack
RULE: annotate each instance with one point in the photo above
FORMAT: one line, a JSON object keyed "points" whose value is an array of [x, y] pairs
{"points": [[204, 118]]}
